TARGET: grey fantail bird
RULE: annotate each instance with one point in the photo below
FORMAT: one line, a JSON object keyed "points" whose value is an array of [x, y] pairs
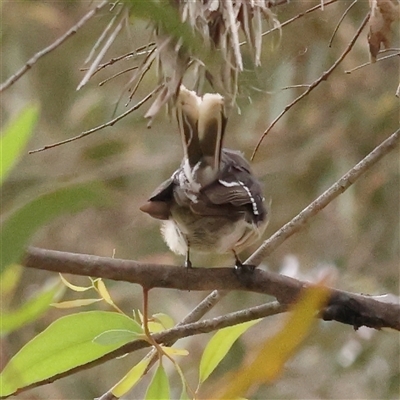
{"points": [[212, 202]]}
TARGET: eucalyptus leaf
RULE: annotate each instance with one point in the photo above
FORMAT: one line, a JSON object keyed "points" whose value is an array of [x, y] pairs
{"points": [[159, 385], [119, 336], [67, 343], [218, 347]]}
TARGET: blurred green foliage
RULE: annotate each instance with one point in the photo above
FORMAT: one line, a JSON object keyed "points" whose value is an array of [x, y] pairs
{"points": [[46, 355]]}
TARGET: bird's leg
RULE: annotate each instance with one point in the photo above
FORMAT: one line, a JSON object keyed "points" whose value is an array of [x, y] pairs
{"points": [[188, 263], [241, 268]]}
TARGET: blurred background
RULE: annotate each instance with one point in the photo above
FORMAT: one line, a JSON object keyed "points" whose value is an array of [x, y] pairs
{"points": [[321, 138]]}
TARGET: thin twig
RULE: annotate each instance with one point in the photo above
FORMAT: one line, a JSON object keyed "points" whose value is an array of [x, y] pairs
{"points": [[101, 38], [138, 52], [118, 74], [313, 85], [349, 71], [100, 56], [295, 86], [147, 63], [340, 21], [296, 17], [389, 49], [52, 47], [97, 128], [195, 315], [324, 199]]}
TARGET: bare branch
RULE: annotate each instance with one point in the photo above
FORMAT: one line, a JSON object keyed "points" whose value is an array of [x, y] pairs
{"points": [[340, 21], [324, 199], [313, 85], [195, 315], [285, 289], [100, 56], [296, 17], [101, 38], [117, 74], [97, 128], [50, 48], [138, 52], [349, 71]]}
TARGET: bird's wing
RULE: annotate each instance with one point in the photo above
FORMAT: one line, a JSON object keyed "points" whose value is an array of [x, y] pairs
{"points": [[159, 204], [236, 186]]}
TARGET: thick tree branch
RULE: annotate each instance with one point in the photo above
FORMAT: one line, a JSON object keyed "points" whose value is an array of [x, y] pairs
{"points": [[353, 309]]}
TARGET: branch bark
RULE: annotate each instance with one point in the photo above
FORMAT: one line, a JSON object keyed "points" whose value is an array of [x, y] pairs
{"points": [[349, 308]]}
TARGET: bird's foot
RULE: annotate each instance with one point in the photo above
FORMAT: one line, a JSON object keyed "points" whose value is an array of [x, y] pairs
{"points": [[241, 268]]}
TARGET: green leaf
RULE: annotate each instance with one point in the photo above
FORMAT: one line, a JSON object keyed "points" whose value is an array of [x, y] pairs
{"points": [[184, 395], [32, 308], [75, 288], [119, 336], [23, 222], [275, 351], [76, 303], [65, 344], [159, 386], [15, 138], [164, 319], [130, 379], [218, 347]]}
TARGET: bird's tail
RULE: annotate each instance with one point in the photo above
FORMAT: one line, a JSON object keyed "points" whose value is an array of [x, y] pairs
{"points": [[202, 124]]}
